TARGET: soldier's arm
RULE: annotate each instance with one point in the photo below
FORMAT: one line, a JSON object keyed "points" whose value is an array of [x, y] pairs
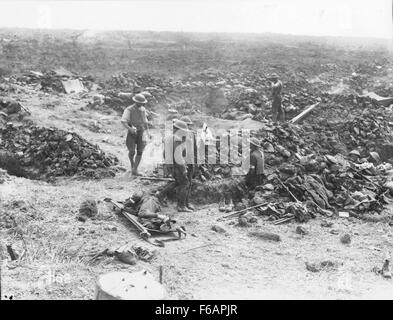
{"points": [[124, 121]]}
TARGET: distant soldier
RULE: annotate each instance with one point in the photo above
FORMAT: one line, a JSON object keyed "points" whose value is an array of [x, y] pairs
{"points": [[256, 172], [134, 119], [277, 110]]}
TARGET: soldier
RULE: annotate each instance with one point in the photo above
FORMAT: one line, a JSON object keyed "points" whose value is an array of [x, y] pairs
{"points": [[191, 167], [256, 172], [180, 169], [134, 119], [277, 110]]}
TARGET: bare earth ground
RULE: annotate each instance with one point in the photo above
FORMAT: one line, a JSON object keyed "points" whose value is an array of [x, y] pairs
{"points": [[206, 265]]}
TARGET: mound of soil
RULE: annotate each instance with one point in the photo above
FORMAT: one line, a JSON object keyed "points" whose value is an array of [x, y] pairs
{"points": [[46, 152]]}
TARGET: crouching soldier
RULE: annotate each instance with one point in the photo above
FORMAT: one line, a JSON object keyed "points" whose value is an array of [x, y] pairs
{"points": [[256, 173]]}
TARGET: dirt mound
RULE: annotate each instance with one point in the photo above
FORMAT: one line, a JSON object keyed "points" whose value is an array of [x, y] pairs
{"points": [[329, 165], [45, 152]]}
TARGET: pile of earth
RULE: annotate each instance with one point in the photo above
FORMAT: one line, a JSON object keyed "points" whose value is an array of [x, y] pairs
{"points": [[52, 80], [348, 123], [44, 153], [333, 168]]}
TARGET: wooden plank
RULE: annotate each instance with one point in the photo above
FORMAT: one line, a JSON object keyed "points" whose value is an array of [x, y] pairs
{"points": [[304, 114]]}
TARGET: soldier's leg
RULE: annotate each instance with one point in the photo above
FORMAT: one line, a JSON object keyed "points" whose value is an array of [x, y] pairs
{"points": [[130, 143], [274, 111], [140, 147], [188, 204], [190, 172], [181, 190], [281, 116]]}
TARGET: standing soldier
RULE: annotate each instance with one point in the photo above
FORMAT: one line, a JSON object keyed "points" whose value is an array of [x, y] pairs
{"points": [[277, 110], [192, 165], [256, 172], [134, 119], [180, 170]]}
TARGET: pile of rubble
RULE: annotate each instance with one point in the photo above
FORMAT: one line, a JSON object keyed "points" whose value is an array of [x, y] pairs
{"points": [[45, 153], [338, 162], [327, 168], [56, 80]]}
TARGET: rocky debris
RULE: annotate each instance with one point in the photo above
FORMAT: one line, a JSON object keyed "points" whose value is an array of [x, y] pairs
{"points": [[329, 169], [345, 239], [130, 254], [265, 236], [326, 224], [87, 209], [47, 152], [219, 229], [301, 230], [3, 176], [385, 271], [144, 254], [322, 266], [9, 106], [243, 222], [126, 254], [11, 164], [56, 80], [12, 253]]}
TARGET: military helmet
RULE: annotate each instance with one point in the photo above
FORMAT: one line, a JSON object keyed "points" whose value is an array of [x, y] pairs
{"points": [[186, 119], [139, 98], [254, 141], [179, 124]]}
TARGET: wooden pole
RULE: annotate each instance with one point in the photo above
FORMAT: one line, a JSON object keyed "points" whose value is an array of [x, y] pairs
{"points": [[304, 114], [238, 213], [157, 179]]}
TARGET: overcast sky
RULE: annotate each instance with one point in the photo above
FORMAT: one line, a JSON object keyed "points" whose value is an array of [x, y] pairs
{"points": [[368, 18]]}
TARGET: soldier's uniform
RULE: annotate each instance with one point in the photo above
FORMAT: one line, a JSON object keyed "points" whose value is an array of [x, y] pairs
{"points": [[277, 109], [256, 173], [181, 171]]}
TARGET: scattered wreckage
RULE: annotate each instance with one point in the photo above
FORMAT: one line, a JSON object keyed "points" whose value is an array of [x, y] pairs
{"points": [[143, 213]]}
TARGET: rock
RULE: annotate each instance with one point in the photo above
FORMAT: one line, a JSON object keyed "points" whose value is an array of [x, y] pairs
{"points": [[268, 187], [385, 271], [265, 236], [243, 222], [252, 220], [52, 152], [126, 255], [240, 206], [389, 185], [321, 266], [82, 218], [374, 157], [110, 228], [301, 230], [258, 200], [218, 229], [326, 224], [88, 208], [345, 239]]}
